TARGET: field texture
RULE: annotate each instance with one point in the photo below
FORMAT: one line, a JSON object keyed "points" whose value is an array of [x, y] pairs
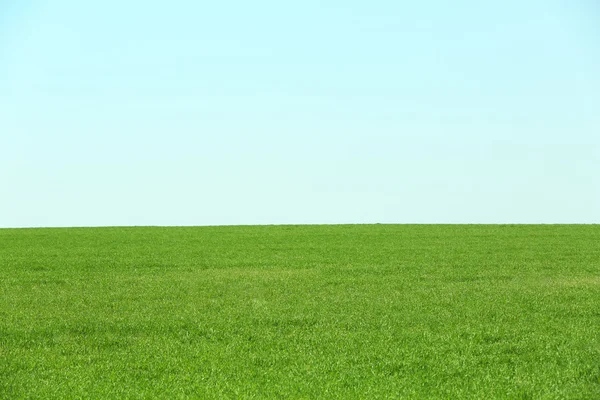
{"points": [[348, 311]]}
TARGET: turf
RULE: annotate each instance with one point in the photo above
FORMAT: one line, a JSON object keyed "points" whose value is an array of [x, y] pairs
{"points": [[342, 311]]}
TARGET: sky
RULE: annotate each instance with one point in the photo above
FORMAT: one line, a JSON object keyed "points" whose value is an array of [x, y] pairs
{"points": [[313, 112]]}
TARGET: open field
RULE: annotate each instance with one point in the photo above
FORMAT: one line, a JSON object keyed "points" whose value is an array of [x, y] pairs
{"points": [[346, 311]]}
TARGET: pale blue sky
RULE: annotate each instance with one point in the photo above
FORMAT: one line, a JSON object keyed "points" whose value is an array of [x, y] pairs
{"points": [[268, 112]]}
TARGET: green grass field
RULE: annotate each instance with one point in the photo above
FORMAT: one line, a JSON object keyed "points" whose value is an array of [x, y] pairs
{"points": [[343, 311]]}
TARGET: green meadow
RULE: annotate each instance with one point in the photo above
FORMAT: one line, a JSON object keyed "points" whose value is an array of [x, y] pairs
{"points": [[331, 311]]}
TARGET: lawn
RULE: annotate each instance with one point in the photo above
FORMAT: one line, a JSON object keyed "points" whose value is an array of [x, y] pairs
{"points": [[332, 311]]}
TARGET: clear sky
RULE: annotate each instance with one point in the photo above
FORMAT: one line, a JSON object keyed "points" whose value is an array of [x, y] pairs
{"points": [[270, 112]]}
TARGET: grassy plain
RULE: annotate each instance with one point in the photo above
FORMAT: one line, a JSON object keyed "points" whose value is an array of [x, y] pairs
{"points": [[342, 311]]}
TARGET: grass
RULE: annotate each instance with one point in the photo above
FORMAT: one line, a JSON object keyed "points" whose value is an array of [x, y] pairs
{"points": [[347, 311]]}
